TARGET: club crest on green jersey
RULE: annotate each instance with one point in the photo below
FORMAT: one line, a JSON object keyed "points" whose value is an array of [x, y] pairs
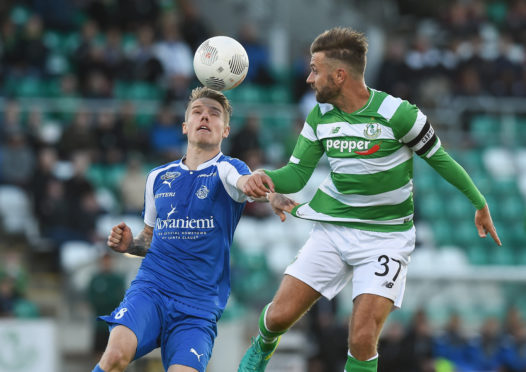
{"points": [[372, 131]]}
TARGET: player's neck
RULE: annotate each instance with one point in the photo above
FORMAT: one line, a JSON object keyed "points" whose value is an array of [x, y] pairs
{"points": [[352, 97], [195, 156]]}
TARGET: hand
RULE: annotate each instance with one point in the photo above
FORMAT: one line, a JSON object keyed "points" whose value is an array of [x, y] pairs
{"points": [[120, 238], [280, 204], [484, 224], [258, 184]]}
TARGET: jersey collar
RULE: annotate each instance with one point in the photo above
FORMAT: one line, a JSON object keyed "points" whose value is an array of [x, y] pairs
{"points": [[204, 165]]}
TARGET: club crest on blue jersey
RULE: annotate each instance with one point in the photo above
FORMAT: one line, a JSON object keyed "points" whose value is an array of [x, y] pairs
{"points": [[202, 192]]}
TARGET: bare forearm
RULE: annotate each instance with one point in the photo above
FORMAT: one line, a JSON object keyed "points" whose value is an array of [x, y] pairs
{"points": [[141, 243]]}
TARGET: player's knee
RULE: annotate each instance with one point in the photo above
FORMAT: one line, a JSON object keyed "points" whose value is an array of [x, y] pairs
{"points": [[362, 344], [278, 321], [114, 359]]}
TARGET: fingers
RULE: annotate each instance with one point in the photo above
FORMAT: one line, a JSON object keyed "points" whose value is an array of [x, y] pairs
{"points": [[258, 185], [493, 233], [282, 216], [481, 230], [115, 236]]}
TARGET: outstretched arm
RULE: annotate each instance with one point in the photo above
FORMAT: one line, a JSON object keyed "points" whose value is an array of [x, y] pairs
{"points": [[452, 172], [121, 240]]}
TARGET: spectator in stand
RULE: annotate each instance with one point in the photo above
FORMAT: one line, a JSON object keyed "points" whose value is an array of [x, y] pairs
{"points": [[146, 65], [484, 352], [53, 215], [133, 13], [105, 291], [113, 55], [7, 297], [82, 57], [135, 136], [176, 59], [193, 27], [258, 55], [417, 353], [394, 75], [33, 51], [391, 348], [78, 136], [11, 120], [44, 173], [247, 138], [514, 349], [110, 139], [83, 208], [18, 160], [452, 344], [132, 186], [166, 137]]}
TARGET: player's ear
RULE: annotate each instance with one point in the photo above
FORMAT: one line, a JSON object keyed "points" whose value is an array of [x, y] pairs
{"points": [[226, 131], [185, 128], [341, 75]]}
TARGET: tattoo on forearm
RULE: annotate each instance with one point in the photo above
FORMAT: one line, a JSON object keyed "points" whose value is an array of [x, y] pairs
{"points": [[141, 244]]}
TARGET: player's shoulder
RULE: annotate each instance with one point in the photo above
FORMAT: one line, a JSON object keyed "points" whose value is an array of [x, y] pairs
{"points": [[393, 108], [225, 160], [316, 115], [228, 159]]}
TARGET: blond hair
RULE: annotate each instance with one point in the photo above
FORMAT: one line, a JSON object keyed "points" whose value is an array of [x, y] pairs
{"points": [[204, 92]]}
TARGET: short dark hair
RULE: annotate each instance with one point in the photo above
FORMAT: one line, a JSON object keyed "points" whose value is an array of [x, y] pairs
{"points": [[343, 44], [204, 92]]}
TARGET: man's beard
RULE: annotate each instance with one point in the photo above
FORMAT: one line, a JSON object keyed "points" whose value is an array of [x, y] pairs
{"points": [[328, 92]]}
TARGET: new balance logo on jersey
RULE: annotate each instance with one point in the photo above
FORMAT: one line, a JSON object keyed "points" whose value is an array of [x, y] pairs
{"points": [[193, 351], [348, 145], [388, 284]]}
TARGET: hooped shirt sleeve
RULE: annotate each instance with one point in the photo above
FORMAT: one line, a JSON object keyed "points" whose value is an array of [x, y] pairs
{"points": [[229, 172]]}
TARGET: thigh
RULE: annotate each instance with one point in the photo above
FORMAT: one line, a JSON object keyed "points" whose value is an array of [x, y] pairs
{"points": [[187, 342], [319, 264], [141, 313]]}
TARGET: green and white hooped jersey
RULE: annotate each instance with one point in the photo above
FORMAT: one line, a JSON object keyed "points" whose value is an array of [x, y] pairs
{"points": [[370, 152]]}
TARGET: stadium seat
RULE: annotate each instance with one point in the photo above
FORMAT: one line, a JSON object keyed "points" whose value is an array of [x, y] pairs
{"points": [[485, 130], [477, 254]]}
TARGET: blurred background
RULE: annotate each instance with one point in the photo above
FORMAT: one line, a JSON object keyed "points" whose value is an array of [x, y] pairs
{"points": [[92, 95]]}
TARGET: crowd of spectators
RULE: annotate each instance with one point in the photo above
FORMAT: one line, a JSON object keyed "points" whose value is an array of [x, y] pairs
{"points": [[418, 346]]}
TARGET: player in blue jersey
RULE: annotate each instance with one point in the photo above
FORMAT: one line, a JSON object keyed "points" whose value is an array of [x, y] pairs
{"points": [[191, 209]]}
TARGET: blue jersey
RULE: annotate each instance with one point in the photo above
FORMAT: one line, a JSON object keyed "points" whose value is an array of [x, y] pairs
{"points": [[193, 214]]}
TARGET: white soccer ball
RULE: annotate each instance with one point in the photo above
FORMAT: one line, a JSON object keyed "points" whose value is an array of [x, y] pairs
{"points": [[221, 63]]}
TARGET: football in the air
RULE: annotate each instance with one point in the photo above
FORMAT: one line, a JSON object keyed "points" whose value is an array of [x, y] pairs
{"points": [[221, 63]]}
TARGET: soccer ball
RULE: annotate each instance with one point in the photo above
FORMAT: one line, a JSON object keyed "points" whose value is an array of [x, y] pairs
{"points": [[221, 63]]}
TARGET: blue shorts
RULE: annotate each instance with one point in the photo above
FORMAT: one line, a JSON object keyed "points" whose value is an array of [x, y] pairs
{"points": [[157, 321]]}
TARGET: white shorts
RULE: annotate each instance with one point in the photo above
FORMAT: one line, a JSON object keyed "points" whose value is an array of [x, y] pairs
{"points": [[375, 261]]}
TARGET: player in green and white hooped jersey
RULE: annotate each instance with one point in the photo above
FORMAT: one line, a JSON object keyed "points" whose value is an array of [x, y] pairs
{"points": [[364, 209]]}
